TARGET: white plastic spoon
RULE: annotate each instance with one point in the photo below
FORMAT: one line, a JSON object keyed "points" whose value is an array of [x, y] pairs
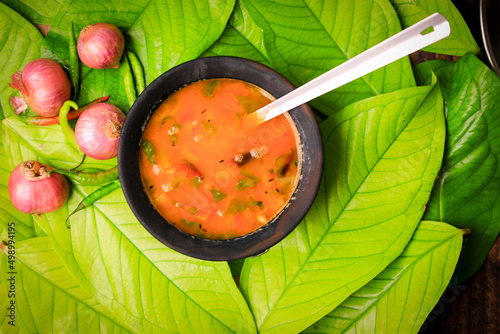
{"points": [[421, 34]]}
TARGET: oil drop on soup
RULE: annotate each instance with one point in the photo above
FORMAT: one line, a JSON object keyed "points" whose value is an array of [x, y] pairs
{"points": [[212, 172]]}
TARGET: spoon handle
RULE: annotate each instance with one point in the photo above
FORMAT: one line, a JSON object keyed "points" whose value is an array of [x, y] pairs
{"points": [[430, 30]]}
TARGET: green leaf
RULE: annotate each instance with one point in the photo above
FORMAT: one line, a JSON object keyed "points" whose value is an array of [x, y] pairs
{"points": [[20, 42], [381, 158], [43, 280], [45, 144], [249, 29], [442, 69], [186, 30], [460, 40], [98, 83], [232, 43], [122, 266], [466, 194], [316, 36], [37, 12], [400, 298], [147, 285]]}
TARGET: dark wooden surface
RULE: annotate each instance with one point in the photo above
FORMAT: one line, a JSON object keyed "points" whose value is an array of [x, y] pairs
{"points": [[472, 306]]}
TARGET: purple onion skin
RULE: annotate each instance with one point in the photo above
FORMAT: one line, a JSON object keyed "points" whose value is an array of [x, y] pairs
{"points": [[43, 85], [101, 45], [98, 130], [37, 193]]}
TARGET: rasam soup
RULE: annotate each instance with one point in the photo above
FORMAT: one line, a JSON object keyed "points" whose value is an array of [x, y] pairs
{"points": [[211, 171]]}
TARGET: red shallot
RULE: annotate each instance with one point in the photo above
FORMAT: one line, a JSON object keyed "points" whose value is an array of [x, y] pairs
{"points": [[98, 130], [33, 190], [43, 85], [101, 45]]}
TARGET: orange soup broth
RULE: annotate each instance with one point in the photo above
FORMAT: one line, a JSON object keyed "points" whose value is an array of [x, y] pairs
{"points": [[195, 162]]}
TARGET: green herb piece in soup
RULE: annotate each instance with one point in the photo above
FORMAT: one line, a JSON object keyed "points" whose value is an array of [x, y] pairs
{"points": [[218, 195], [177, 204], [173, 139], [248, 182], [192, 210], [195, 182], [209, 88], [282, 164], [150, 150], [247, 104], [237, 205], [208, 127], [176, 127], [188, 223], [165, 119], [243, 184], [259, 204]]}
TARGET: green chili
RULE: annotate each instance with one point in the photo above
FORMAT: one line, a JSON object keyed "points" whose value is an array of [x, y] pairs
{"points": [[63, 121], [73, 114], [129, 85], [135, 63], [94, 197], [74, 63], [89, 178]]}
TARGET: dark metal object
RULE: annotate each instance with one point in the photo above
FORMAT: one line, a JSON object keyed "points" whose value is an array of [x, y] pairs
{"points": [[128, 159], [490, 27]]}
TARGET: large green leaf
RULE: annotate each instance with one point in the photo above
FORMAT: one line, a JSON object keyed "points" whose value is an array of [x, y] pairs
{"points": [[37, 12], [162, 33], [232, 43], [20, 43], [442, 69], [45, 144], [42, 280], [187, 29], [143, 282], [460, 40], [303, 39], [399, 299], [467, 192], [146, 285], [381, 158]]}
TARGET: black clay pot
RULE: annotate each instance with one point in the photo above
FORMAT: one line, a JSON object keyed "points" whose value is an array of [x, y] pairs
{"points": [[251, 244]]}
